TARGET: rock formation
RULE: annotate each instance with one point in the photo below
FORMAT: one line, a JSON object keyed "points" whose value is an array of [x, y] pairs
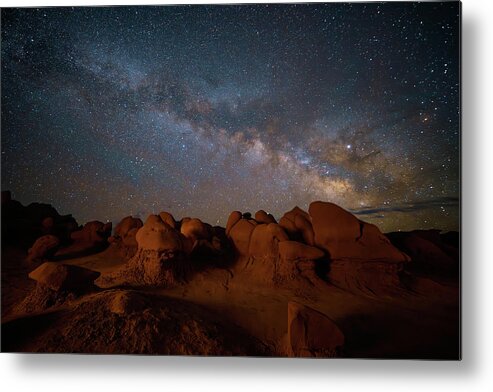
{"points": [[298, 226], [430, 251], [43, 248], [311, 333], [234, 217], [131, 322], [216, 251], [240, 233], [92, 238], [22, 225], [56, 284], [124, 236], [195, 229], [263, 217], [345, 237], [162, 256], [248, 274], [362, 259], [57, 277], [261, 253]]}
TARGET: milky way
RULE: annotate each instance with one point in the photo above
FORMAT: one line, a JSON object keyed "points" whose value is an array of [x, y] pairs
{"points": [[202, 110]]}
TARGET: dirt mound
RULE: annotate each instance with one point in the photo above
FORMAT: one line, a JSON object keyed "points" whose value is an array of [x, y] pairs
{"points": [[129, 322], [41, 298]]}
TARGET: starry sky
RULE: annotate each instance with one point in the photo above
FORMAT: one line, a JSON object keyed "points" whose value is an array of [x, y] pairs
{"points": [[202, 110]]}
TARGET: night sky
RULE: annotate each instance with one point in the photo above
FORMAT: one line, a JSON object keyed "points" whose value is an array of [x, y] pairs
{"points": [[202, 110]]}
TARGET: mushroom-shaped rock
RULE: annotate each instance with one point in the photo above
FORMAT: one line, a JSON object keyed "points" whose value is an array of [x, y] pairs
{"points": [[344, 236], [160, 260], [293, 250], [195, 229], [263, 217], [167, 218], [56, 276], [44, 246], [311, 333], [240, 235], [159, 236], [233, 219]]}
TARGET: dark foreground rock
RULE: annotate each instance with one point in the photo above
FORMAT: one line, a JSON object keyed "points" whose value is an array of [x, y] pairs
{"points": [[129, 322], [312, 334]]}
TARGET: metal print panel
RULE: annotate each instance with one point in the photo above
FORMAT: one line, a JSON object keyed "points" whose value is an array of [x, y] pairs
{"points": [[247, 180]]}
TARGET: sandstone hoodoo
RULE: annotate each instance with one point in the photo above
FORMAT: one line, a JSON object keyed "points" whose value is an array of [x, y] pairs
{"points": [[345, 237], [92, 238], [361, 257], [162, 256], [124, 236], [195, 229], [57, 284], [260, 253]]}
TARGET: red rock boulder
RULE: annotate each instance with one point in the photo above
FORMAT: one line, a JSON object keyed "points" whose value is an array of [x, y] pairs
{"points": [[362, 259], [312, 334], [92, 238], [298, 225], [344, 236], [161, 258], [124, 236]]}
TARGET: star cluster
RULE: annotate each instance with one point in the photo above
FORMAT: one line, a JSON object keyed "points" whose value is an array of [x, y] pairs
{"points": [[202, 110]]}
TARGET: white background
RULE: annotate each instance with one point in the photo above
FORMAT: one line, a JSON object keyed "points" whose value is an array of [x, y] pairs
{"points": [[474, 373]]}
